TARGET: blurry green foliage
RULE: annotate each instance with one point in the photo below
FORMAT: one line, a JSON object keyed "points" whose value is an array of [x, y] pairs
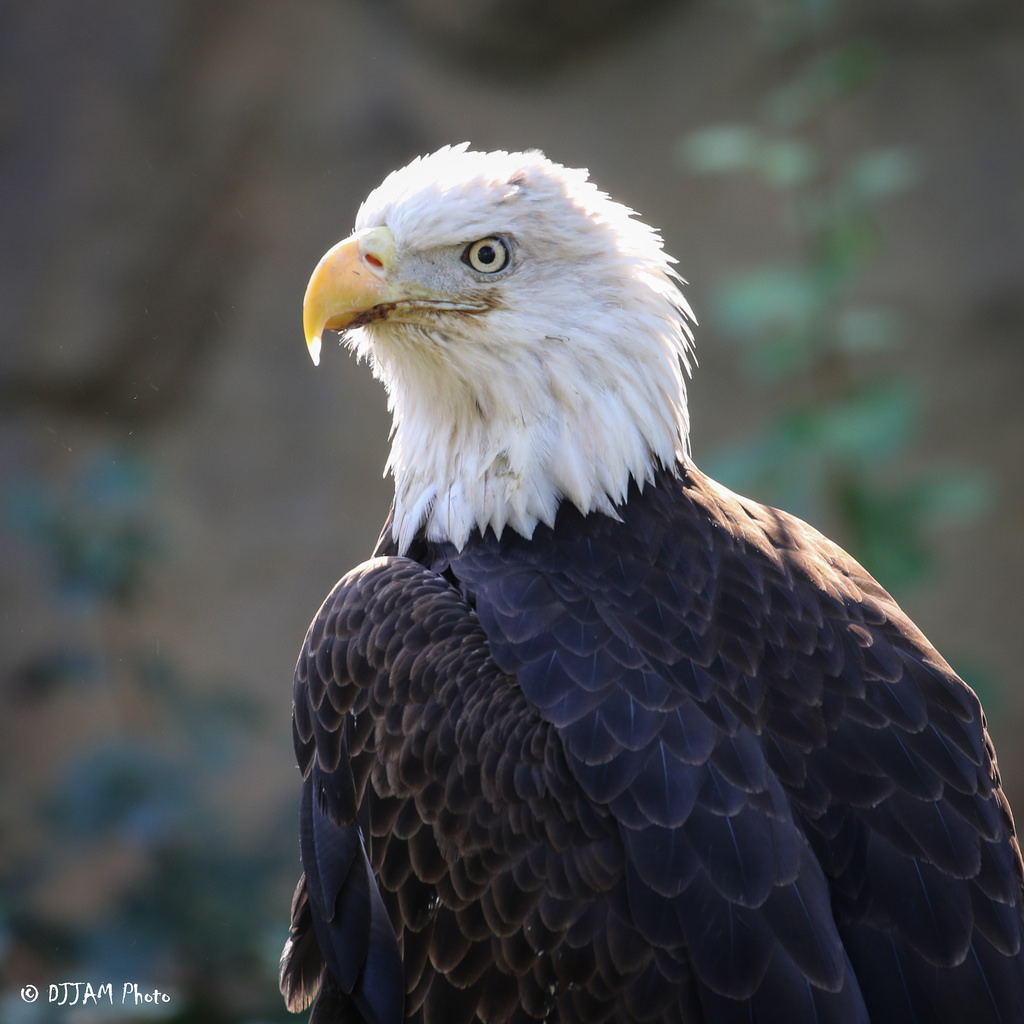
{"points": [[839, 455], [96, 531], [195, 917]]}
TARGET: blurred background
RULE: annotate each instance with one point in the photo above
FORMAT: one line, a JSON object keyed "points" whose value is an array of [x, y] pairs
{"points": [[843, 186]]}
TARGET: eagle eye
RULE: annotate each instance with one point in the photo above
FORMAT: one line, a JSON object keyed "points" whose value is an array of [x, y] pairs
{"points": [[488, 255]]}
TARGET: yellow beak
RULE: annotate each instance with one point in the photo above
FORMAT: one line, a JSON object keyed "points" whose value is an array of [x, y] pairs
{"points": [[349, 286]]}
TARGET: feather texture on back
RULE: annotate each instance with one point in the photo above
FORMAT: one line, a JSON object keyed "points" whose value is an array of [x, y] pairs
{"points": [[690, 764]]}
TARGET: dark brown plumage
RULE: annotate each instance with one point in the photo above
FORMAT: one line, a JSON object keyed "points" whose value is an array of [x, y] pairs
{"points": [[689, 765]]}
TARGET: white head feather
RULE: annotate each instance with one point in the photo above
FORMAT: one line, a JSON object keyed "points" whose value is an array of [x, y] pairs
{"points": [[568, 384]]}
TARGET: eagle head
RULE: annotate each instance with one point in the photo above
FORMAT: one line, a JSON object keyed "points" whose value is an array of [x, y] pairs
{"points": [[529, 331]]}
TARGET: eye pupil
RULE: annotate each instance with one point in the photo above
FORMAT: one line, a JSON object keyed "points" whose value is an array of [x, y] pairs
{"points": [[486, 254]]}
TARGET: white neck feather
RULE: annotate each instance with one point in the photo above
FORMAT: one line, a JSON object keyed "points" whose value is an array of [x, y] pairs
{"points": [[495, 431]]}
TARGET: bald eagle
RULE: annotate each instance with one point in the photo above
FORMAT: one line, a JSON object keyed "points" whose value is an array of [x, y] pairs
{"points": [[591, 738]]}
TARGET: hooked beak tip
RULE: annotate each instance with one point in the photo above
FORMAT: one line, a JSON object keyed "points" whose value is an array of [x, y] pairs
{"points": [[313, 345]]}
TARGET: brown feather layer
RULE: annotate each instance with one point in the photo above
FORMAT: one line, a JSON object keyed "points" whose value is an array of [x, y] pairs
{"points": [[693, 765]]}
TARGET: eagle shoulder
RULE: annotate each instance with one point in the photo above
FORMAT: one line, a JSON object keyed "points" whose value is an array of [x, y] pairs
{"points": [[432, 786]]}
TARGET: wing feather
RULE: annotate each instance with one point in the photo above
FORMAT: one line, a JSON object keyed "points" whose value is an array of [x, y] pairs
{"points": [[805, 749], [690, 764]]}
